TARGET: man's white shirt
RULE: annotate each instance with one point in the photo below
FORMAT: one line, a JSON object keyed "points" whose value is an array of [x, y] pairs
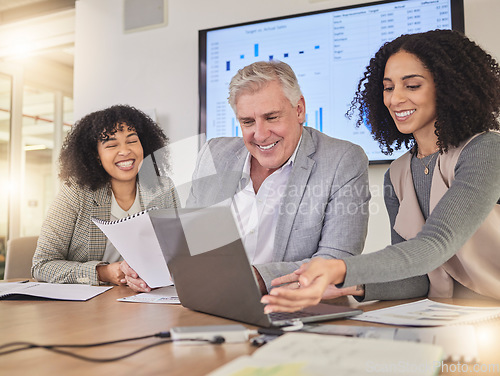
{"points": [[257, 214]]}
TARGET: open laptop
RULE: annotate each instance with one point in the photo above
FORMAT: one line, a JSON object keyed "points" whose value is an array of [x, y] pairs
{"points": [[211, 271]]}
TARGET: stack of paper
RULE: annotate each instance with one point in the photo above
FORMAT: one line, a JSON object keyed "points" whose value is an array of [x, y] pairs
{"points": [[316, 354], [458, 342], [429, 313]]}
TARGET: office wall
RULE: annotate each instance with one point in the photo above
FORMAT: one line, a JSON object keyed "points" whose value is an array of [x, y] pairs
{"points": [[156, 69]]}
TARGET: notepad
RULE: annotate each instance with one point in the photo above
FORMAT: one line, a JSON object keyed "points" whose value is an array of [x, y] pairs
{"points": [[56, 291], [316, 354], [429, 313], [135, 239]]}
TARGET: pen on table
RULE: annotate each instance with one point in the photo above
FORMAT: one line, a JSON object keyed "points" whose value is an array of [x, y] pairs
{"points": [[26, 280]]}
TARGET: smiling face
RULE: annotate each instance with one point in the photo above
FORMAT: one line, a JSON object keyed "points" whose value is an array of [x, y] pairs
{"points": [[410, 96], [121, 155], [270, 125]]}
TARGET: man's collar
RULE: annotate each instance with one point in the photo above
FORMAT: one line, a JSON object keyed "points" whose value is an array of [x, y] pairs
{"points": [[290, 161], [246, 167]]}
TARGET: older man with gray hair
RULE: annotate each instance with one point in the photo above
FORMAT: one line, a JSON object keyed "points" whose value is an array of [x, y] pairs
{"points": [[295, 192]]}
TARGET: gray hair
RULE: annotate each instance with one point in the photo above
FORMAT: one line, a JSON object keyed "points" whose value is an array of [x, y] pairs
{"points": [[253, 77]]}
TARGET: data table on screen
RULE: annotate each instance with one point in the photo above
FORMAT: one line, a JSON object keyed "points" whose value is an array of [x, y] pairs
{"points": [[328, 51]]}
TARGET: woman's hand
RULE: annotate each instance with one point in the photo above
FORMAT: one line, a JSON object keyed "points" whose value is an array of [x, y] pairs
{"points": [[132, 280], [306, 286], [110, 273]]}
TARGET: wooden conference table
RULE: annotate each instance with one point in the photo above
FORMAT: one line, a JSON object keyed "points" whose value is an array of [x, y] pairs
{"points": [[103, 318]]}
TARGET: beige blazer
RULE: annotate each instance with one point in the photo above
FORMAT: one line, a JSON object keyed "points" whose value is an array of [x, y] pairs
{"points": [[476, 266]]}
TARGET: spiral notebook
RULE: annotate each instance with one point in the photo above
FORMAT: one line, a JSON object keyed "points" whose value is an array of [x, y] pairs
{"points": [[135, 239], [429, 313]]}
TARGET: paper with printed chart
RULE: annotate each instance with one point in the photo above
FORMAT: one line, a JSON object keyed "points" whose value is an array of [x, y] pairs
{"points": [[429, 313], [316, 354]]}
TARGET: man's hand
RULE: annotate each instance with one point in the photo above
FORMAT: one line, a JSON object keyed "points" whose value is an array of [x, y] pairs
{"points": [[306, 286], [110, 273], [132, 280], [262, 284]]}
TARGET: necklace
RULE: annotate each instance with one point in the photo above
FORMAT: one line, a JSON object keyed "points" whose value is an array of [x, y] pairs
{"points": [[426, 166]]}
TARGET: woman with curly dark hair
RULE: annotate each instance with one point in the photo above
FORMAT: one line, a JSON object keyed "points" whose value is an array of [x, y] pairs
{"points": [[100, 162], [438, 93]]}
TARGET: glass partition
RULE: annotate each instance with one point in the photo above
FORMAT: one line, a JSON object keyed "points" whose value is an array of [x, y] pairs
{"points": [[38, 146], [5, 120]]}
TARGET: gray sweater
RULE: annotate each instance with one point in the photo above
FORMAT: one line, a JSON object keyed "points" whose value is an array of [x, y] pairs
{"points": [[399, 270]]}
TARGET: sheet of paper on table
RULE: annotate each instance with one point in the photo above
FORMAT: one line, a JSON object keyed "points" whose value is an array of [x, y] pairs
{"points": [[165, 295]]}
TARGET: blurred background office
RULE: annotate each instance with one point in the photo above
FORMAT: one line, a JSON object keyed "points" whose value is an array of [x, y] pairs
{"points": [[61, 59]]}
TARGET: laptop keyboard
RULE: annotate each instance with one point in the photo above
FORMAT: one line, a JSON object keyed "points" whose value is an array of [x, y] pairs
{"points": [[279, 316]]}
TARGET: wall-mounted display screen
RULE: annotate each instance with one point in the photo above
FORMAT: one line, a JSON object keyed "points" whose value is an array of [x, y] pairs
{"points": [[328, 50]]}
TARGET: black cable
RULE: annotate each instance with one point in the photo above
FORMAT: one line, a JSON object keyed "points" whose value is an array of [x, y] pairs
{"points": [[29, 345], [56, 348], [105, 360], [160, 334]]}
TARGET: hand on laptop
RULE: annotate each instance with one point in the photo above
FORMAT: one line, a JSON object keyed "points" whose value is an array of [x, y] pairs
{"points": [[307, 286], [132, 280]]}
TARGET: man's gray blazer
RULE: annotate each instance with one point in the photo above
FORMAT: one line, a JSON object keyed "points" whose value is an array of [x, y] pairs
{"points": [[324, 212]]}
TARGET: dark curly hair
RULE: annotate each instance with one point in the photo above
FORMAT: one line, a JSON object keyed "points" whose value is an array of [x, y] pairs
{"points": [[467, 81], [79, 157]]}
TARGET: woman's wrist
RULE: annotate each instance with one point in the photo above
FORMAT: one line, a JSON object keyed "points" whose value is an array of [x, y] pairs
{"points": [[339, 270], [102, 272], [359, 290]]}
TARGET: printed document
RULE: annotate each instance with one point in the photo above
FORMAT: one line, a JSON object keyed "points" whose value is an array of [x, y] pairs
{"points": [[317, 354], [429, 313], [135, 239], [165, 295]]}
